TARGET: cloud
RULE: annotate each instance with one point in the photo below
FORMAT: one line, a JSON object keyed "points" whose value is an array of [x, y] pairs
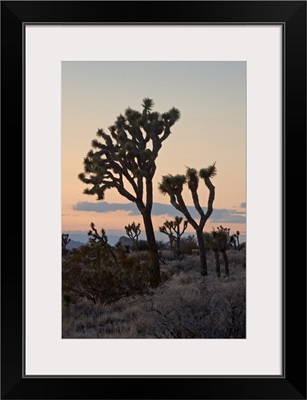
{"points": [[106, 207], [243, 205], [224, 215], [218, 215]]}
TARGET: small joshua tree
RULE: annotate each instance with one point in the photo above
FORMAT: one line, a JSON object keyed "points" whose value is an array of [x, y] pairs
{"points": [[173, 186], [100, 241], [173, 230], [167, 230], [218, 241], [65, 241], [133, 232], [234, 240], [95, 238], [237, 237]]}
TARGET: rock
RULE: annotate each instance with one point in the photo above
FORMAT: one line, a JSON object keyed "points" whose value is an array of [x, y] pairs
{"points": [[126, 242]]}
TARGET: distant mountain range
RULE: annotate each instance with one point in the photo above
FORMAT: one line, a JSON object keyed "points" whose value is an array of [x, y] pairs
{"points": [[78, 238], [74, 244]]}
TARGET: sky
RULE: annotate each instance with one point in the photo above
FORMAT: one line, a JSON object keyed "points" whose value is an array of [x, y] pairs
{"points": [[211, 97]]}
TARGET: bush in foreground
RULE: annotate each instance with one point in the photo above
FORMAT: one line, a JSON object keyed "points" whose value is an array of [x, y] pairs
{"points": [[104, 274]]}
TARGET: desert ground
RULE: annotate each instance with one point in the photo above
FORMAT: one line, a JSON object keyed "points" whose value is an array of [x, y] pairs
{"points": [[185, 304]]}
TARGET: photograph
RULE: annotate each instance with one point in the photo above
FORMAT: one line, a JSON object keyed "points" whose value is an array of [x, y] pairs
{"points": [[166, 145], [153, 199]]}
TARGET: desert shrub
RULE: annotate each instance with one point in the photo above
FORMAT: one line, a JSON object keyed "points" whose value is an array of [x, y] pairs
{"points": [[161, 245], [237, 257], [104, 274], [184, 305], [190, 307], [167, 255], [187, 244]]}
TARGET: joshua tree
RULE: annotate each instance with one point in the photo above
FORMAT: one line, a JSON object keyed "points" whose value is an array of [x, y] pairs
{"points": [[133, 232], [125, 159], [65, 241], [173, 230], [232, 241], [94, 236], [218, 241], [237, 237], [173, 186], [101, 240]]}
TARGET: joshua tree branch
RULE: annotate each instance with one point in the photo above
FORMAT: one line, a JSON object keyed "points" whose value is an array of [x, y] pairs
{"points": [[211, 188], [196, 203], [185, 211], [166, 134]]}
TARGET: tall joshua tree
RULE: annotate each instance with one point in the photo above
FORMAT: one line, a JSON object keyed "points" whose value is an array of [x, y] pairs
{"points": [[173, 230], [125, 159], [173, 186], [133, 232]]}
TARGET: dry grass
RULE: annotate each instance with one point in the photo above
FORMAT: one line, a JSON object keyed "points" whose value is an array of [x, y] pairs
{"points": [[186, 305]]}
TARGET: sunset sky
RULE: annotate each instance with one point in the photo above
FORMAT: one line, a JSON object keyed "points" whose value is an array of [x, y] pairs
{"points": [[211, 97]]}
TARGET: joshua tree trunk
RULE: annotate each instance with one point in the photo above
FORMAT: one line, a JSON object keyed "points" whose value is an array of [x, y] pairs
{"points": [[217, 263], [202, 252], [153, 249], [226, 262], [178, 245]]}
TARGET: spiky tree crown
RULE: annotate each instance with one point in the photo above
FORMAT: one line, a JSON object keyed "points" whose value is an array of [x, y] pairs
{"points": [[218, 239], [172, 184], [209, 172], [192, 178], [133, 230], [173, 225], [128, 152]]}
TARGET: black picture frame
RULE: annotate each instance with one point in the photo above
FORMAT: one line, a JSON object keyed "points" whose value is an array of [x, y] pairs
{"points": [[292, 16]]}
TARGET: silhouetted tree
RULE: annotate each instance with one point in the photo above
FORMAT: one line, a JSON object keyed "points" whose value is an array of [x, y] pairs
{"points": [[133, 232], [218, 241], [237, 236], [234, 240], [173, 230], [100, 241], [173, 186], [125, 160], [94, 236], [65, 241]]}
